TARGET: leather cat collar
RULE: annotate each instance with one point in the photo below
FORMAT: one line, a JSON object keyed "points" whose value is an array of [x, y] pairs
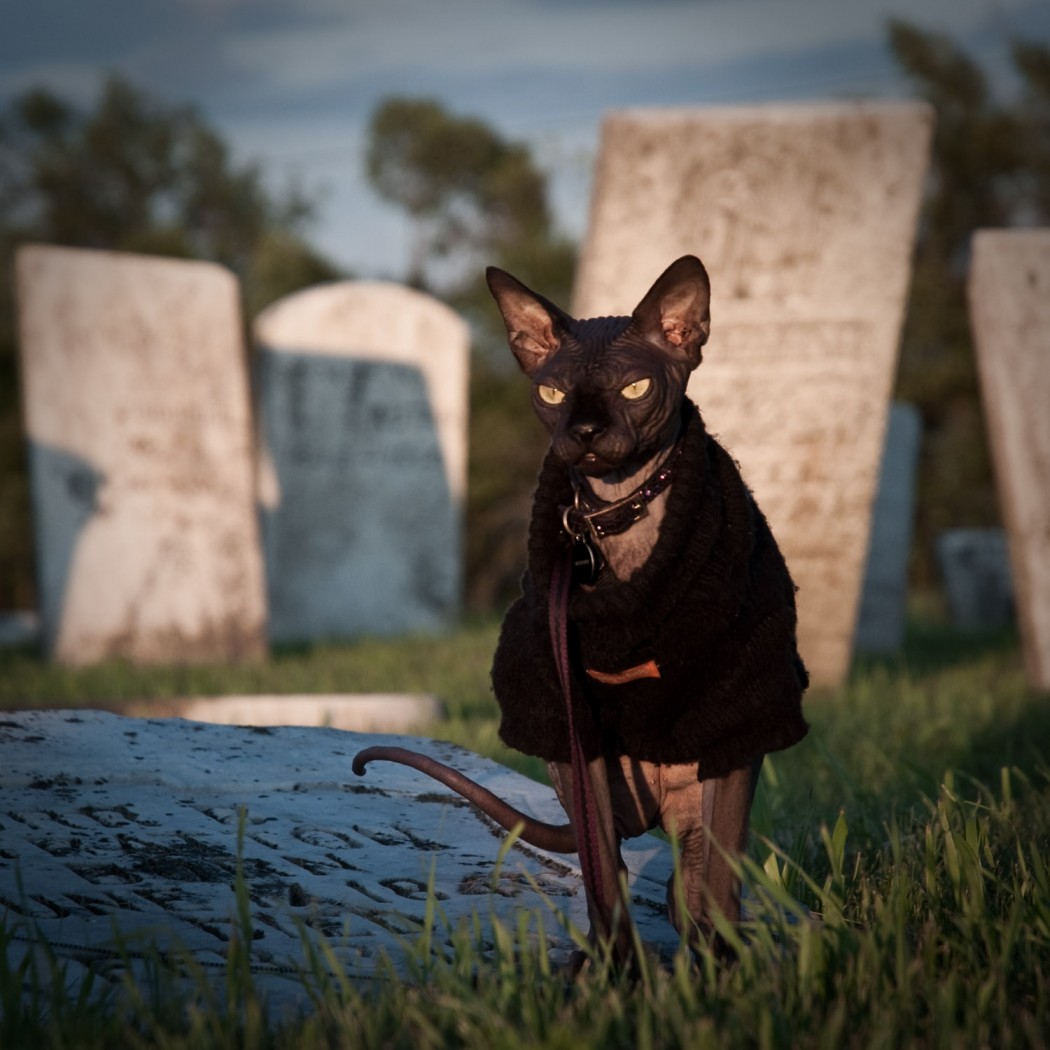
{"points": [[589, 514], [589, 518]]}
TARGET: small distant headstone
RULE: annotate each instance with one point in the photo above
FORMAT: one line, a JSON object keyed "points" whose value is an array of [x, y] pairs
{"points": [[805, 218], [362, 398], [140, 455], [883, 604], [975, 568], [1009, 296], [18, 628]]}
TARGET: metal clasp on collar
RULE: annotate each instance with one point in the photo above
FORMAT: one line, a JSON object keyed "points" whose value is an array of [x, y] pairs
{"points": [[587, 560]]}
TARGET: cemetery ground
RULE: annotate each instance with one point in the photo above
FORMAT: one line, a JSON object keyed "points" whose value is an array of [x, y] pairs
{"points": [[898, 879]]}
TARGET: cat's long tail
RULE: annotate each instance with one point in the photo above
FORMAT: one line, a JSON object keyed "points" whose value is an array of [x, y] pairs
{"points": [[558, 838]]}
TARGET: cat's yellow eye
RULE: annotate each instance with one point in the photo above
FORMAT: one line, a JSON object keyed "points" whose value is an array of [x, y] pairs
{"points": [[550, 395], [639, 388]]}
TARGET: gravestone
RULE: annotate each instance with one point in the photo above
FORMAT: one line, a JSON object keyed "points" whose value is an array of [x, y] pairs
{"points": [[140, 455], [120, 835], [975, 570], [1009, 296], [360, 712], [362, 397], [19, 628], [884, 592], [804, 217]]}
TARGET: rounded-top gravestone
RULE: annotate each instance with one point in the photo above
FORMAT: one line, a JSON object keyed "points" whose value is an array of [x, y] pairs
{"points": [[362, 397]]}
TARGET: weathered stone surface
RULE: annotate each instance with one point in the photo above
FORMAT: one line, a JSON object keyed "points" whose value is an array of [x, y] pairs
{"points": [[138, 418], [975, 569], [805, 218], [1010, 310], [124, 831], [883, 602], [363, 411]]}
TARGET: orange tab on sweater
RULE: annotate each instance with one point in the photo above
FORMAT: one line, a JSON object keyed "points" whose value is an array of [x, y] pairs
{"points": [[650, 669]]}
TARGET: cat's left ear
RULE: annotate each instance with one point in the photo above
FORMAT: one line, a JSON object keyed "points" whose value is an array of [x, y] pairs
{"points": [[675, 313]]}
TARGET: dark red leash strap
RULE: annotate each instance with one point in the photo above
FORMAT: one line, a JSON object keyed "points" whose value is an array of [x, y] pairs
{"points": [[585, 810]]}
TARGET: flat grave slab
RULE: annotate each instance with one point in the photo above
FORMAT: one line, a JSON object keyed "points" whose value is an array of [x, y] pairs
{"points": [[360, 712], [121, 831]]}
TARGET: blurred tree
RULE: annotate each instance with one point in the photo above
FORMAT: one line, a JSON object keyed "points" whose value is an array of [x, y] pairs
{"points": [[133, 175], [990, 166], [1033, 63], [477, 199]]}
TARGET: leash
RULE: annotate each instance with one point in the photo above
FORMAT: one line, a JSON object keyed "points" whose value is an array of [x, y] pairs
{"points": [[586, 521], [585, 809]]}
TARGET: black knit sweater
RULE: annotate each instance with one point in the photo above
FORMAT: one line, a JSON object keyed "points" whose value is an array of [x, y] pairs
{"points": [[713, 606]]}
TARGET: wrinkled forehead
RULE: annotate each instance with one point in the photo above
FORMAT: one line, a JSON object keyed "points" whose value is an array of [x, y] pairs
{"points": [[607, 342], [600, 353]]}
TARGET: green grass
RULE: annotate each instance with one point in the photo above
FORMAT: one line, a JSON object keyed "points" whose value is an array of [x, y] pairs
{"points": [[914, 821], [453, 665]]}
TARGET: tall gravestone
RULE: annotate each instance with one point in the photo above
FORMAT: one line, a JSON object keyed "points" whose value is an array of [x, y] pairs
{"points": [[805, 218], [362, 395], [138, 420], [1009, 296], [884, 592]]}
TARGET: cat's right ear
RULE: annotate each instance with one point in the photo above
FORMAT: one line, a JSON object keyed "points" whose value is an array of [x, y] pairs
{"points": [[675, 314], [535, 326]]}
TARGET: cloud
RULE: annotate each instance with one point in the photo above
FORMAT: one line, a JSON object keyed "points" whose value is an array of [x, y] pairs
{"points": [[292, 82], [483, 38]]}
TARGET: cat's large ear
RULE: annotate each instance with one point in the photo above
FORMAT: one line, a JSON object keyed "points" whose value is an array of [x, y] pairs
{"points": [[534, 325], [675, 313]]}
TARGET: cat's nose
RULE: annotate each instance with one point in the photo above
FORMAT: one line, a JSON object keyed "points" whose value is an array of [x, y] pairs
{"points": [[586, 430]]}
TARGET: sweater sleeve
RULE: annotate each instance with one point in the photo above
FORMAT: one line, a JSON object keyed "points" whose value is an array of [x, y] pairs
{"points": [[533, 718]]}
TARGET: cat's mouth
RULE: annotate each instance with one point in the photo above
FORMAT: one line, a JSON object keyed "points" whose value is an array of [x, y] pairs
{"points": [[592, 458], [593, 465]]}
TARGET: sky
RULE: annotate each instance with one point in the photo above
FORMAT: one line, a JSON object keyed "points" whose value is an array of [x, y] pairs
{"points": [[291, 84]]}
